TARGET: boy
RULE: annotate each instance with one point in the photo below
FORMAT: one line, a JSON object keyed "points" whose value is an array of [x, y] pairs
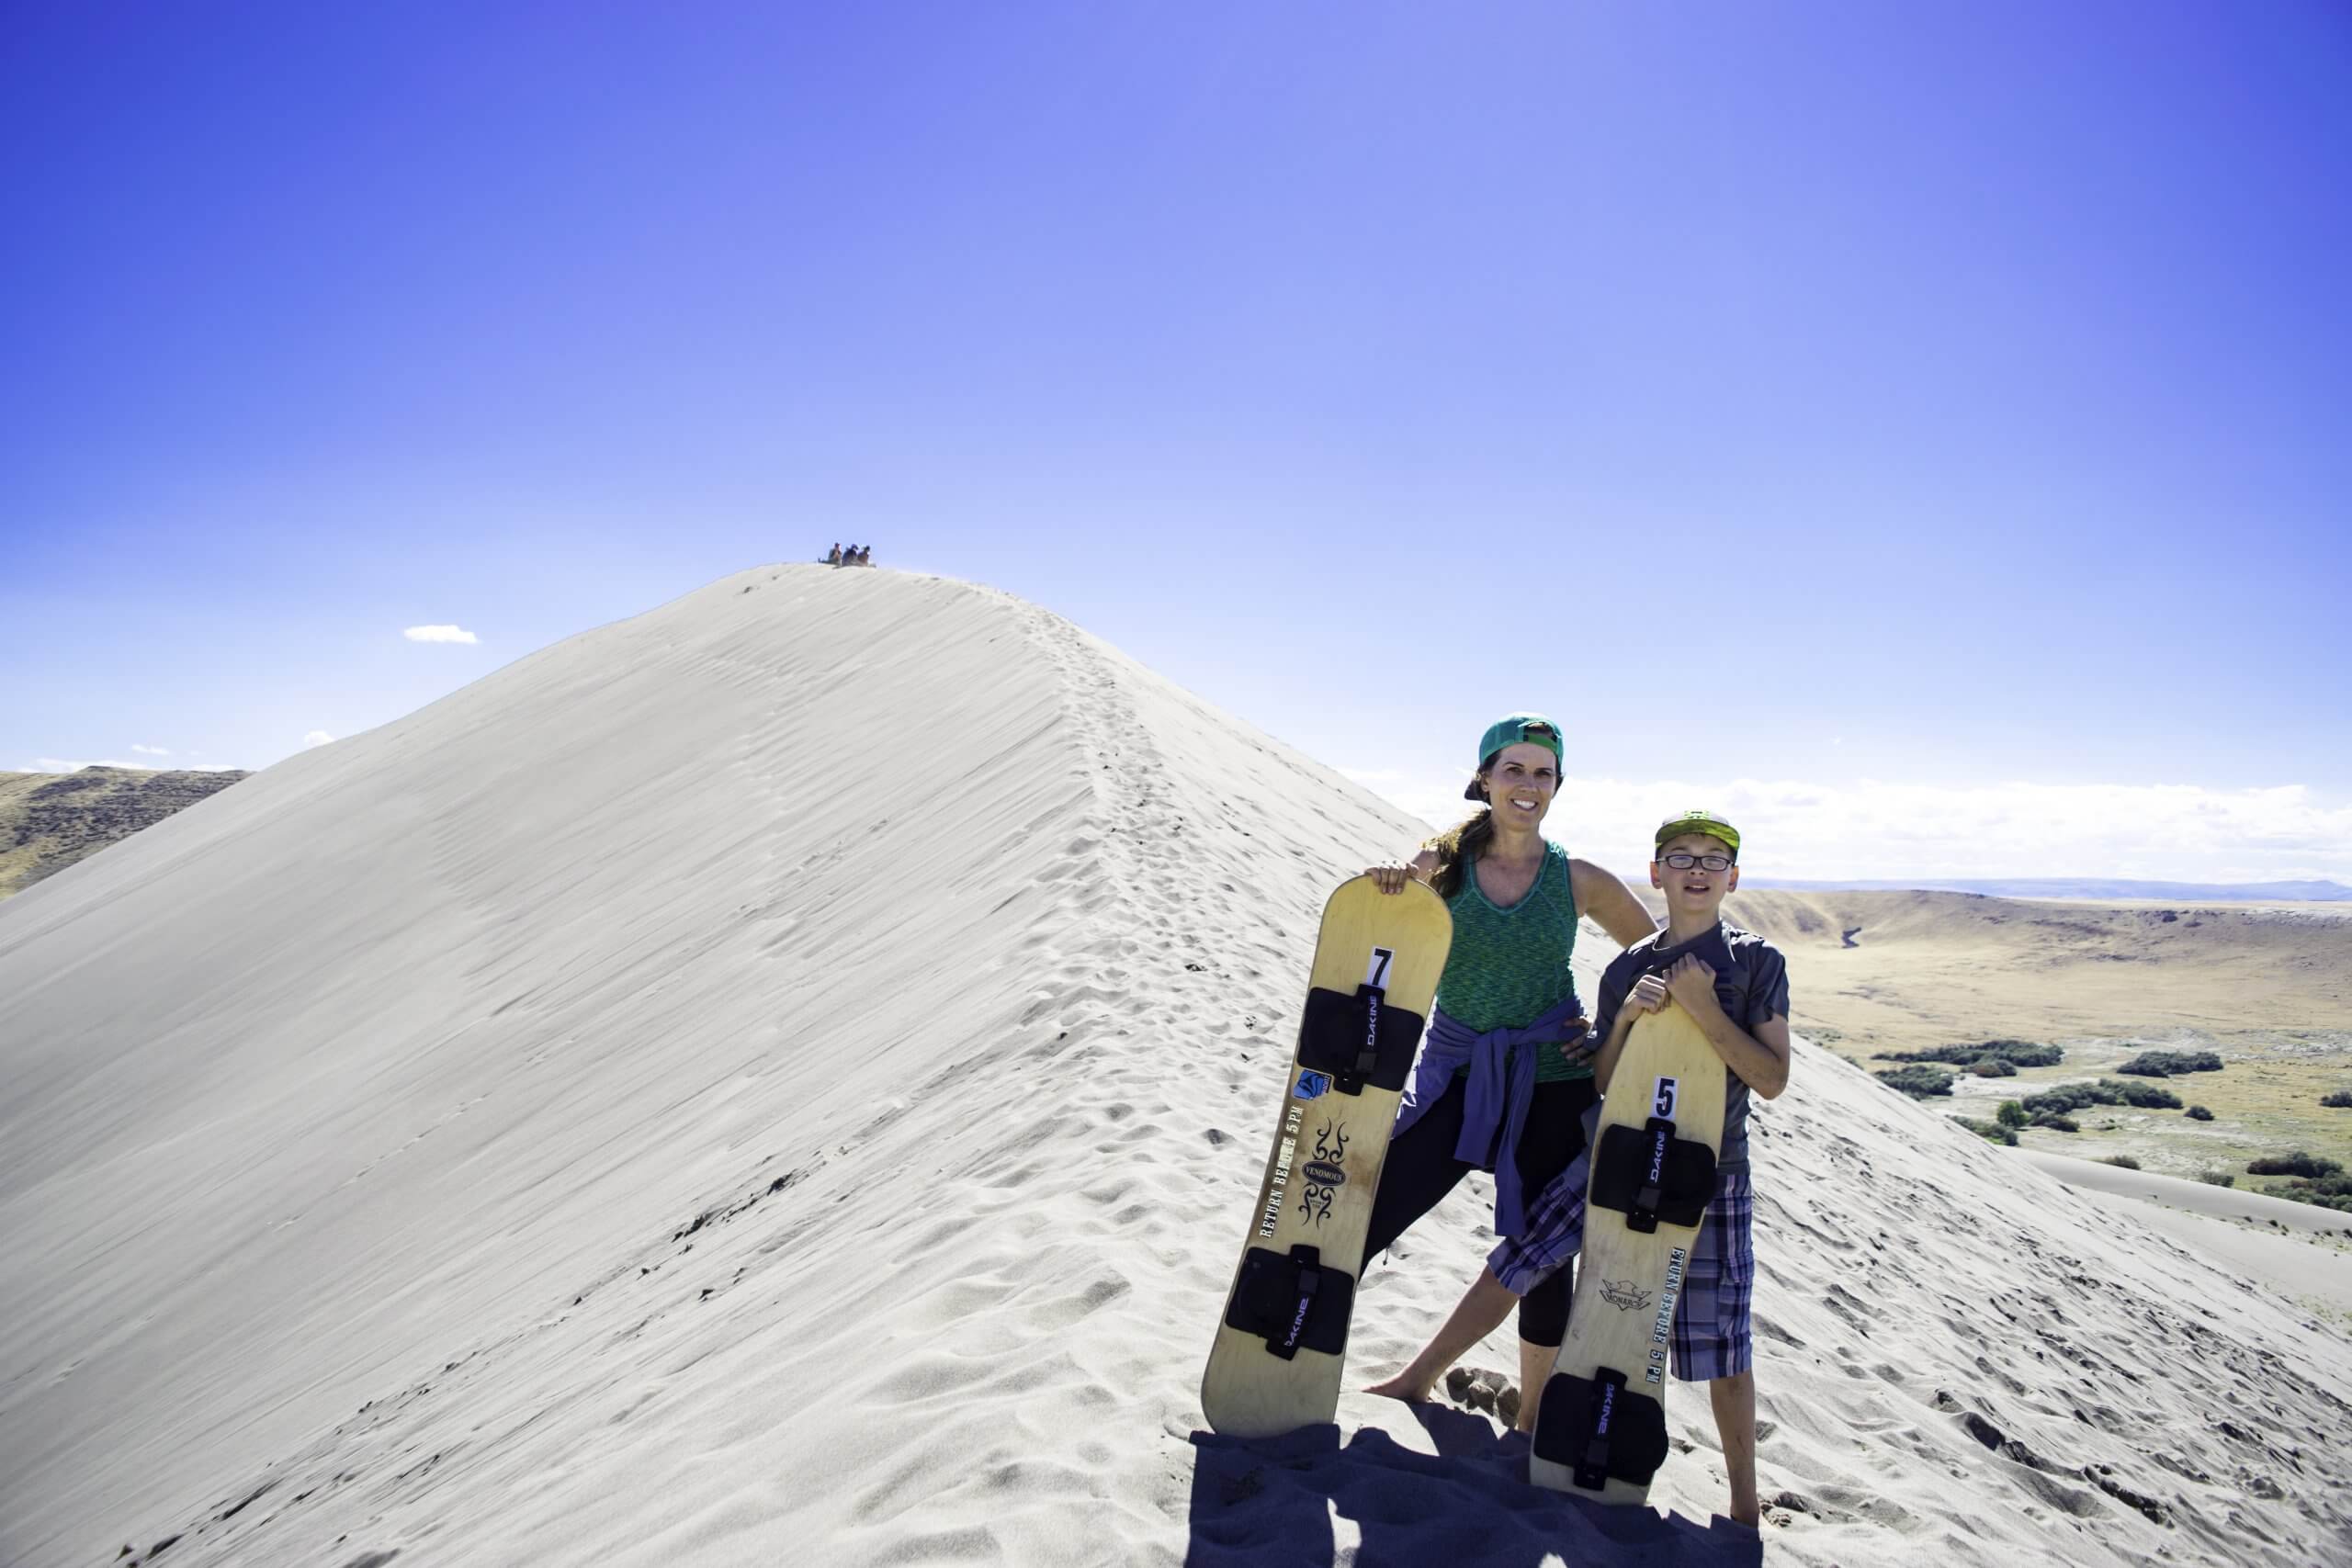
{"points": [[1736, 985]]}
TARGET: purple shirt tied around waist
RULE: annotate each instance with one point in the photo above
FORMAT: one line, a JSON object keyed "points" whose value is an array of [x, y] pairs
{"points": [[1498, 1086]]}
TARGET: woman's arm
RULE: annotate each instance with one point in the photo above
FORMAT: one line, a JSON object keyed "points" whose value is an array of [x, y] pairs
{"points": [[1609, 903]]}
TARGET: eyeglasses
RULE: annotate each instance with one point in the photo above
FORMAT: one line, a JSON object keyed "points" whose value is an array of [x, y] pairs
{"points": [[1681, 862]]}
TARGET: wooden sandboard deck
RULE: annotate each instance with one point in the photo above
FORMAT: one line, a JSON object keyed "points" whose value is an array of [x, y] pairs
{"points": [[1628, 1282], [1323, 1161]]}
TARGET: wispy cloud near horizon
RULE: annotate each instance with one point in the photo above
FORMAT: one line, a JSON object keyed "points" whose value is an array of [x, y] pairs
{"points": [[1876, 831], [439, 633]]}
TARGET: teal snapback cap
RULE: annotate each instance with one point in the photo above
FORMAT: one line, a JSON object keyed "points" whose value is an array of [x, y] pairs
{"points": [[1512, 729]]}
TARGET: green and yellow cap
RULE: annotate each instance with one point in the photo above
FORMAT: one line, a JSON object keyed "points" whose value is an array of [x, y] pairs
{"points": [[1510, 730], [1696, 822]]}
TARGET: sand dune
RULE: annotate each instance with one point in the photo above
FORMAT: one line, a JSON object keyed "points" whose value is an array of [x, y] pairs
{"points": [[2280, 1257], [2220, 1202], [779, 1080]]}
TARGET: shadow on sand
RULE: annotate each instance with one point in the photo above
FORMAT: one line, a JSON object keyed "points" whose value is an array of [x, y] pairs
{"points": [[1274, 1502]]}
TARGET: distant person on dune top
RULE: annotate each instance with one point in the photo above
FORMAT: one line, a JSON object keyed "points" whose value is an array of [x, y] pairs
{"points": [[1505, 1074], [1736, 985], [835, 557]]}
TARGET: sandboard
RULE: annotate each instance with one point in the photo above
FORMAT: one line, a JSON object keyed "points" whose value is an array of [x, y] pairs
{"points": [[1600, 1431], [1282, 1342]]}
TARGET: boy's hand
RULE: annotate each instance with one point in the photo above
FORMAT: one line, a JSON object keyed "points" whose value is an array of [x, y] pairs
{"points": [[1580, 1043], [1648, 995], [1391, 875], [1692, 982]]}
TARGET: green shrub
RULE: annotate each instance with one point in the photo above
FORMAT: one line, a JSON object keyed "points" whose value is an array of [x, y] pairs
{"points": [[1918, 1082], [2217, 1178], [1994, 1067], [1992, 1131], [2199, 1113], [2021, 1053], [2338, 1100], [2296, 1164], [2106, 1091], [2163, 1064], [2012, 1115], [2057, 1124], [2124, 1161], [2332, 1190]]}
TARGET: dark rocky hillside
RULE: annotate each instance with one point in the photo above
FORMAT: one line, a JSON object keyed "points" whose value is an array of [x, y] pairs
{"points": [[48, 821]]}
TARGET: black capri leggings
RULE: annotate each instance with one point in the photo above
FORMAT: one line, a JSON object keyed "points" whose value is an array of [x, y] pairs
{"points": [[1420, 1171]]}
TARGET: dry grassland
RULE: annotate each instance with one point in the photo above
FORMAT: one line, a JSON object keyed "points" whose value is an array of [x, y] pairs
{"points": [[2268, 986]]}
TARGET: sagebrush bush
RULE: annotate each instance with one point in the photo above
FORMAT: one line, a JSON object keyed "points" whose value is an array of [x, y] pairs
{"points": [[2332, 1190], [2021, 1053], [2296, 1164], [1992, 1132], [2106, 1091], [1918, 1082], [2163, 1063]]}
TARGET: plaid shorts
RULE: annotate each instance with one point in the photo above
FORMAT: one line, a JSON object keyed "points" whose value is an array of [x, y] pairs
{"points": [[1712, 1327]]}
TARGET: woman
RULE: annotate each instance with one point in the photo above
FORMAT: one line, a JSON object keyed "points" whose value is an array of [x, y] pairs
{"points": [[1505, 1074]]}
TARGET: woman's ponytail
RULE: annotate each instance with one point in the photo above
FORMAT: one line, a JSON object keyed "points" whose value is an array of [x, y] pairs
{"points": [[1457, 847]]}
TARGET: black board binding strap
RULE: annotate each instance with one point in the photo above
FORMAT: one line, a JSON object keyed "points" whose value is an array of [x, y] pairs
{"points": [[1600, 1422], [1305, 1284], [1368, 1051]]}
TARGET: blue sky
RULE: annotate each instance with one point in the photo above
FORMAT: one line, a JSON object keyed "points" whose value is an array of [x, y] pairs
{"points": [[1919, 426]]}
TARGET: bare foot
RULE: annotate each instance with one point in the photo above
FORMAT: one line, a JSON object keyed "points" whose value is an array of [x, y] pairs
{"points": [[1403, 1386]]}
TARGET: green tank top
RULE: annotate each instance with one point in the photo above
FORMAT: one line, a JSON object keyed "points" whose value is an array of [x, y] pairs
{"points": [[1509, 967]]}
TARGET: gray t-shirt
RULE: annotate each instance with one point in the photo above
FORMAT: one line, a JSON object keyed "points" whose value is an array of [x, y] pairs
{"points": [[1751, 982]]}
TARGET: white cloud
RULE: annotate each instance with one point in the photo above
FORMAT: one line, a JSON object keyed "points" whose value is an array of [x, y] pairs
{"points": [[316, 738], [149, 751], [59, 765], [1872, 829], [439, 633]]}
